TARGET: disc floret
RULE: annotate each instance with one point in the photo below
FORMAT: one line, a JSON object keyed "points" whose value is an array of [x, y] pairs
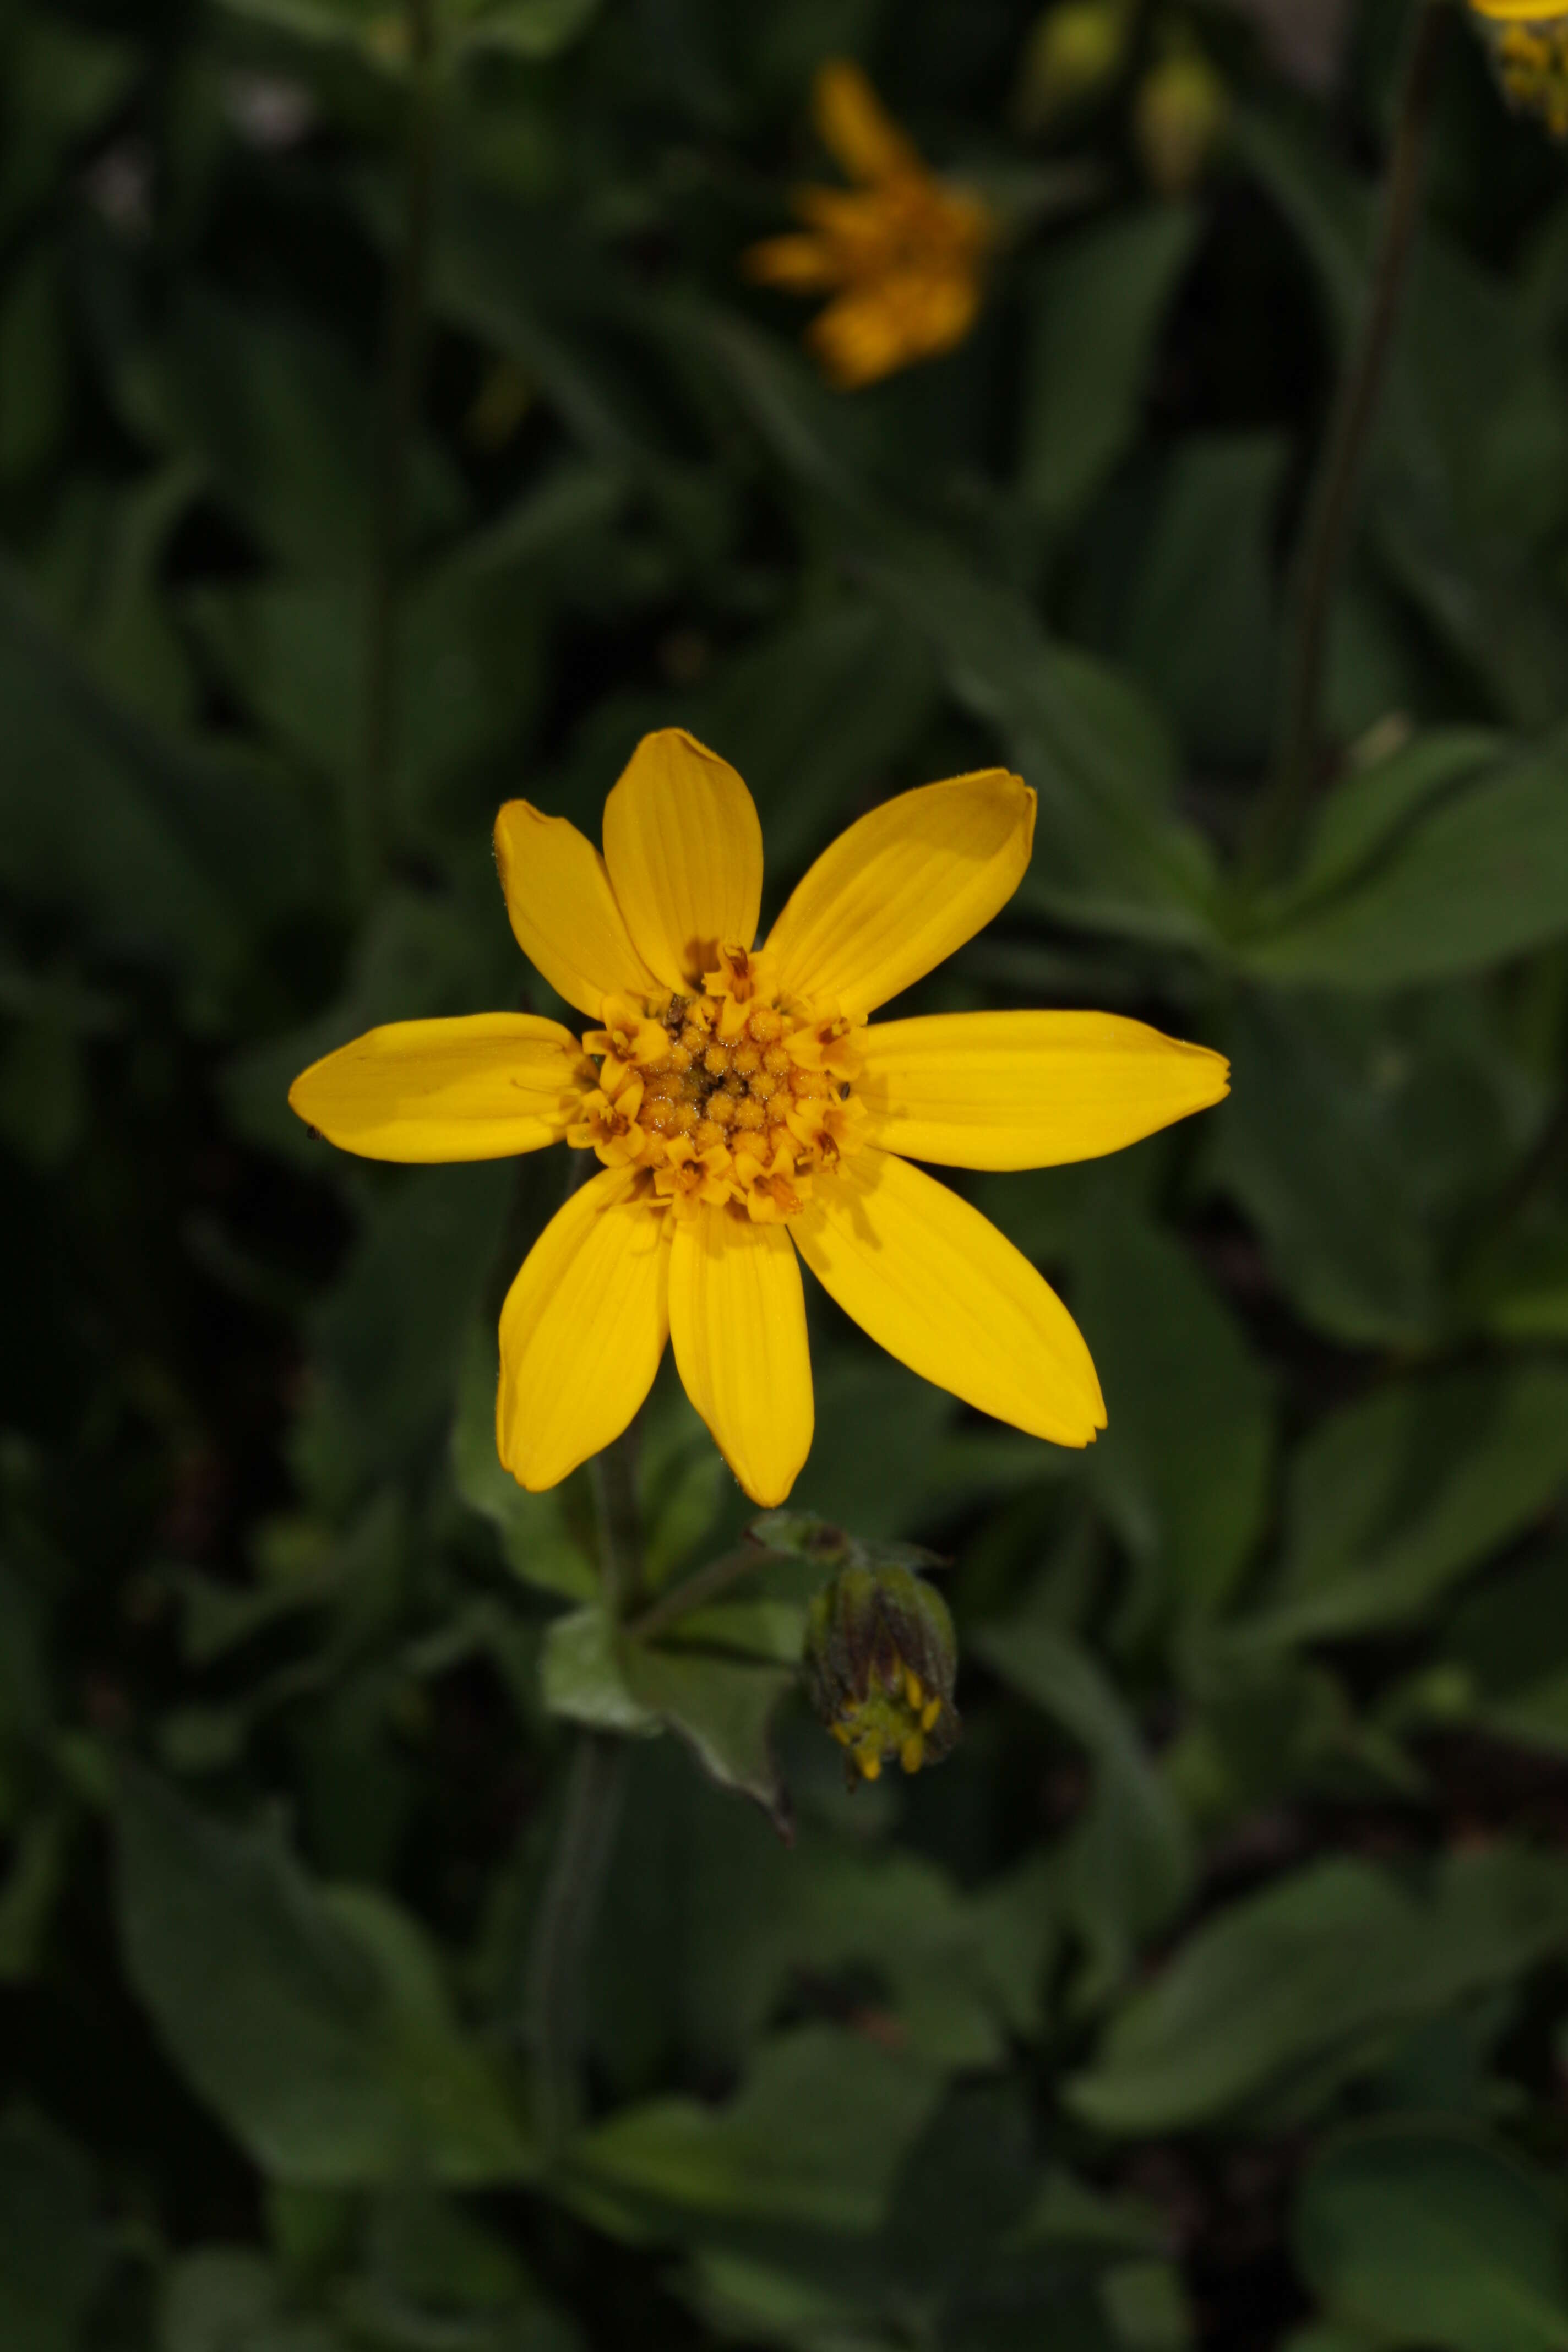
{"points": [[733, 1096]]}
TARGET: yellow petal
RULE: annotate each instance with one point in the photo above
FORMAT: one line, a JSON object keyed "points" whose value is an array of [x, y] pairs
{"points": [[1027, 1089], [685, 852], [856, 128], [478, 1089], [563, 911], [861, 337], [903, 888], [582, 1331], [805, 263], [738, 1321], [934, 1283]]}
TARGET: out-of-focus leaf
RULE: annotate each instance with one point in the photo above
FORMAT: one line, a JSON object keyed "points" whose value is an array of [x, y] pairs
{"points": [[1307, 1143], [229, 2299], [279, 411], [522, 28], [1183, 1469], [1505, 1655], [418, 955], [168, 852], [1422, 2232], [1111, 850], [1097, 304], [391, 1333], [1200, 624], [1392, 1499], [1130, 1861], [832, 702], [1290, 1991], [52, 2252], [1461, 347], [1478, 874], [1363, 817], [813, 2140], [34, 364], [758, 1919], [59, 83], [313, 2024]]}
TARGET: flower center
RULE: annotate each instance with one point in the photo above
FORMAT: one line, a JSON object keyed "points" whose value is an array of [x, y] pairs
{"points": [[738, 1096]]}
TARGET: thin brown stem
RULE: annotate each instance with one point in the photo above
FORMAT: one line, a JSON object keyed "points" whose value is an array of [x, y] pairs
{"points": [[1332, 507], [368, 815]]}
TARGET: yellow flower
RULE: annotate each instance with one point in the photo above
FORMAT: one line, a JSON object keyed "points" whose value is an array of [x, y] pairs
{"points": [[1530, 56], [748, 1114], [901, 253]]}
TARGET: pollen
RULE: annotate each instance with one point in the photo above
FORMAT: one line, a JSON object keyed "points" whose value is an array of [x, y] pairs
{"points": [[733, 1097]]}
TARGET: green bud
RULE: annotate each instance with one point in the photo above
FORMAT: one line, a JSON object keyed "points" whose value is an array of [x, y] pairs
{"points": [[1075, 51], [1179, 112], [882, 1661]]}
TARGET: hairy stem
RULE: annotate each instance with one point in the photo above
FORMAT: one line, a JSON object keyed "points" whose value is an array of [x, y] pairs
{"points": [[555, 2007], [1332, 507], [619, 1522], [401, 383]]}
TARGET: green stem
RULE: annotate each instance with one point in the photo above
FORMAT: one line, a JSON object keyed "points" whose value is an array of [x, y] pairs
{"points": [[402, 373], [1332, 507], [700, 1589], [619, 1522], [556, 2009]]}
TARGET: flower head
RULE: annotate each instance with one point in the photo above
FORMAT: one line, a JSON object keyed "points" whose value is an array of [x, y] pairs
{"points": [[900, 253], [882, 1661], [746, 1112]]}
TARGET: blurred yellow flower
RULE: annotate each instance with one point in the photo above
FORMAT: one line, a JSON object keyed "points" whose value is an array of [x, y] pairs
{"points": [[746, 1114], [1528, 47], [901, 253]]}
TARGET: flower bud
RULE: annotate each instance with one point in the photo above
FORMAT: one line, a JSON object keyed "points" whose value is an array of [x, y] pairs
{"points": [[1076, 51], [880, 1664], [1178, 112]]}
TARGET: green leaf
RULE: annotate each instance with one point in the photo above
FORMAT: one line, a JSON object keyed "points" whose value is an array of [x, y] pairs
{"points": [[277, 410], [229, 2299], [1393, 1498], [1364, 816], [814, 2140], [1097, 304], [314, 2024], [1310, 1143], [722, 1711], [52, 2252], [583, 1675], [1112, 852], [1289, 1993], [391, 1333], [1480, 873], [1183, 1468], [522, 28], [1421, 2232], [1129, 1863], [1200, 628], [169, 853]]}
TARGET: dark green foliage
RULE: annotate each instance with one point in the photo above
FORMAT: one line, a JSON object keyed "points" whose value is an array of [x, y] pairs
{"points": [[1212, 1990]]}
